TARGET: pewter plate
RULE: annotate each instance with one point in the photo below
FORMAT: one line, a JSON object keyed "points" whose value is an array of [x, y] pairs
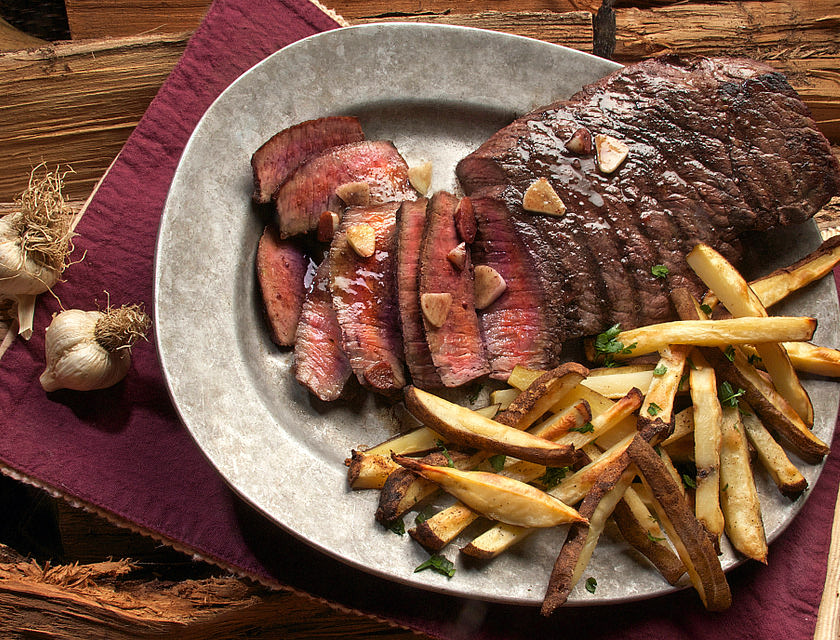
{"points": [[437, 92]]}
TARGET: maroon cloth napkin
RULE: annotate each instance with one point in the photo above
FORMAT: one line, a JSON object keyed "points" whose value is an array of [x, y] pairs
{"points": [[123, 452]]}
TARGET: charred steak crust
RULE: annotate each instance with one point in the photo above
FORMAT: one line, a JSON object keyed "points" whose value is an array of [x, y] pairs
{"points": [[285, 151], [718, 147], [365, 299], [456, 347]]}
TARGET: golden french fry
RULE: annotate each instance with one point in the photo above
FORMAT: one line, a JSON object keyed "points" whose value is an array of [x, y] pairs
{"points": [[503, 397], [615, 382], [522, 377], [416, 441], [366, 471], [738, 497], [773, 457], [541, 395], [806, 357], [683, 425], [497, 497], [657, 412], [735, 294]]}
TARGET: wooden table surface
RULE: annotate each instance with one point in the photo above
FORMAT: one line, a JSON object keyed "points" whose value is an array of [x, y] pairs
{"points": [[75, 101]]}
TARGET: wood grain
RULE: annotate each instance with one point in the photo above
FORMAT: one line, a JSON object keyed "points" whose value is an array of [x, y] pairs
{"points": [[76, 103], [97, 19]]}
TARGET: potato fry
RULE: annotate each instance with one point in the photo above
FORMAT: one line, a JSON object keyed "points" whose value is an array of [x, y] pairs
{"points": [[735, 294], [684, 530], [463, 426], [683, 426], [738, 497], [365, 471], [541, 395], [521, 377], [615, 382], [418, 440], [657, 411], [503, 397], [773, 457], [716, 333], [708, 415], [807, 358]]}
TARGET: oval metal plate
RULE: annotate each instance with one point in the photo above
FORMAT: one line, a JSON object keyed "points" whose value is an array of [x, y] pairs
{"points": [[437, 92]]}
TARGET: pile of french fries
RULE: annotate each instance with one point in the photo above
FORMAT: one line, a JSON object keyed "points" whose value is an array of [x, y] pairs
{"points": [[577, 447]]}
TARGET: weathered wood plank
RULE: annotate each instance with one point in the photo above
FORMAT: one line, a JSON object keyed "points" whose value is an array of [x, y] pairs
{"points": [[97, 19], [76, 103]]}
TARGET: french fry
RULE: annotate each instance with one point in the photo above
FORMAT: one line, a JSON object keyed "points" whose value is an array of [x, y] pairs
{"points": [[418, 440], [522, 377], [497, 497], [708, 415], [738, 497], [657, 411], [684, 530], [672, 470], [503, 397], [582, 538], [716, 333], [463, 426], [735, 294], [365, 471], [615, 382], [541, 395], [683, 426], [641, 530], [773, 457], [604, 422], [807, 358]]}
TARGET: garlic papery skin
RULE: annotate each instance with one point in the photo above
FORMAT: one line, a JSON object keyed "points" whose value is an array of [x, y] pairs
{"points": [[79, 357]]}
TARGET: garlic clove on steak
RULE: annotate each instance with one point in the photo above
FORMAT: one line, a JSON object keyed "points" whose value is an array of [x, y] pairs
{"points": [[489, 285], [541, 197], [420, 177], [580, 142], [435, 307], [611, 152], [458, 256], [354, 194], [362, 239], [327, 225]]}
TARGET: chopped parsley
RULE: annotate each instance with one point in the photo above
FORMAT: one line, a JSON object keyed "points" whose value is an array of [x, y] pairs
{"points": [[729, 352], [591, 584], [654, 538], [728, 396], [653, 409], [659, 270], [607, 344], [445, 452], [688, 481], [584, 428], [423, 515], [398, 527], [691, 364], [660, 370], [553, 476], [437, 563], [497, 462], [684, 378], [725, 487], [754, 359], [706, 309]]}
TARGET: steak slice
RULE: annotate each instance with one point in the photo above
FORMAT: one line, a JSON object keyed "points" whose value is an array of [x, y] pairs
{"points": [[365, 299], [456, 346], [411, 220], [310, 190], [281, 154], [281, 272], [320, 363], [717, 147]]}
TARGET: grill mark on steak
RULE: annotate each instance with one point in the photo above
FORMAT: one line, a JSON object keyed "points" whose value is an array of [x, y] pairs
{"points": [[310, 190], [411, 221], [320, 363], [281, 272], [365, 299], [456, 347], [286, 150], [517, 327]]}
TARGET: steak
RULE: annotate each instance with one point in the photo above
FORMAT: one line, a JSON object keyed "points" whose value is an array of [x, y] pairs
{"points": [[456, 346], [717, 147], [281, 154], [365, 299], [320, 363], [311, 189]]}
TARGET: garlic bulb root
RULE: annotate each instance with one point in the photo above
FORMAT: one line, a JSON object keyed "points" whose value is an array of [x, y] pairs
{"points": [[88, 350]]}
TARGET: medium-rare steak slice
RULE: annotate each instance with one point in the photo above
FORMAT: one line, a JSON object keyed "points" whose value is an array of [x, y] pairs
{"points": [[365, 298], [310, 190], [717, 147], [281, 154], [411, 220], [320, 363], [281, 272], [455, 341]]}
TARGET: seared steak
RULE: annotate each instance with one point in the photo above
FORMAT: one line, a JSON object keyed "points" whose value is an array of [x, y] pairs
{"points": [[281, 272], [310, 190], [277, 159], [456, 345], [717, 147], [320, 363], [365, 299], [411, 220]]}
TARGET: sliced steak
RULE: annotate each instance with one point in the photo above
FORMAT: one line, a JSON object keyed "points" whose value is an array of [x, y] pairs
{"points": [[320, 362], [310, 190], [281, 273], [281, 154], [717, 147], [365, 299], [456, 345], [411, 220]]}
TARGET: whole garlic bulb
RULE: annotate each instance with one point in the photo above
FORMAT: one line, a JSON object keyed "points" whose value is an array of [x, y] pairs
{"points": [[88, 350]]}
